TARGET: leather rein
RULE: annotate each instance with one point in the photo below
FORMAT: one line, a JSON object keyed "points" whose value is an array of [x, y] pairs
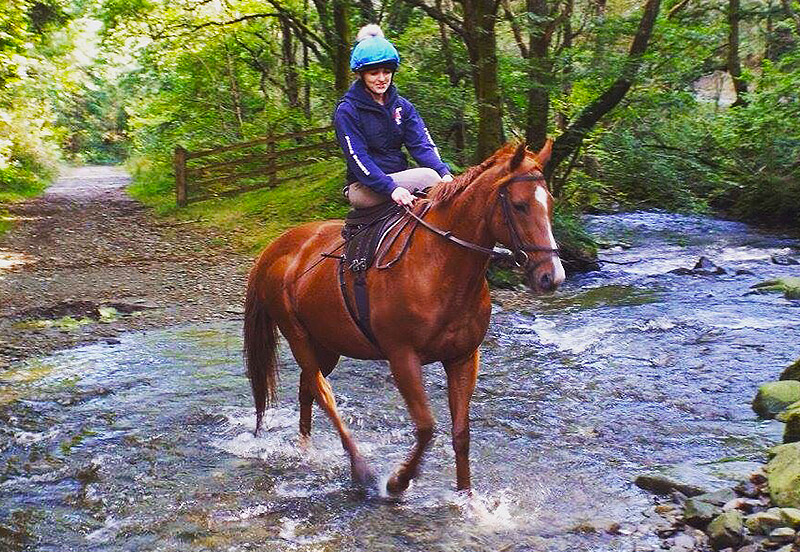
{"points": [[519, 249]]}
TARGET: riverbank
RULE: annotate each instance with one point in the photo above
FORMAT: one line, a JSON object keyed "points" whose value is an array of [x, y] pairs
{"points": [[85, 263]]}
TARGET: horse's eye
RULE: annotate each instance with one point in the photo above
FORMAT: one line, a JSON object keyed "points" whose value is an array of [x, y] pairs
{"points": [[521, 207]]}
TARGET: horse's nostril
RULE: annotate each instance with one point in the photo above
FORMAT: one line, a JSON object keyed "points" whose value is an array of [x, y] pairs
{"points": [[546, 281]]}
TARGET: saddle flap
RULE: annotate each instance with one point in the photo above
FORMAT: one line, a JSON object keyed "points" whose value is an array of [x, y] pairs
{"points": [[363, 229]]}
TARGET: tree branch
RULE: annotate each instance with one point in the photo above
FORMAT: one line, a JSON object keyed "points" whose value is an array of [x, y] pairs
{"points": [[523, 49], [452, 22], [574, 134]]}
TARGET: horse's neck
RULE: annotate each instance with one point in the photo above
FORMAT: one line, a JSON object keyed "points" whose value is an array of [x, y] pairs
{"points": [[465, 217]]}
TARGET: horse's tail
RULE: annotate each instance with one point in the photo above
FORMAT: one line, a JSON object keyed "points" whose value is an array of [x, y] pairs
{"points": [[260, 349]]}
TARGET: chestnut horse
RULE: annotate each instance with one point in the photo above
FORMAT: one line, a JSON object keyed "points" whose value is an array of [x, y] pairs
{"points": [[432, 305]]}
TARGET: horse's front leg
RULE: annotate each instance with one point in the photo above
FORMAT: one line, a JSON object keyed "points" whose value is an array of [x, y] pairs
{"points": [[407, 372], [461, 378]]}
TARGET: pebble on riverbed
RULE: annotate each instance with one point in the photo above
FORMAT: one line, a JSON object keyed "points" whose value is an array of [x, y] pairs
{"points": [[741, 519]]}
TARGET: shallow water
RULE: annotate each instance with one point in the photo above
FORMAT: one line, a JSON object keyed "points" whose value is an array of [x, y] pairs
{"points": [[147, 444]]}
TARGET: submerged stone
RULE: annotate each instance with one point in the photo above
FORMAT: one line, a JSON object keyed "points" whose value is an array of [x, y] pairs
{"points": [[661, 484], [775, 396], [784, 260], [791, 372], [726, 531], [783, 475]]}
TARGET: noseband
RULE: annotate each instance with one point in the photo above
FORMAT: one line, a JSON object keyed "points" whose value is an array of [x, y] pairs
{"points": [[519, 249]]}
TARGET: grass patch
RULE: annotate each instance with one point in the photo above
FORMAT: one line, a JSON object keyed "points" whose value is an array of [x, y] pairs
{"points": [[253, 218]]}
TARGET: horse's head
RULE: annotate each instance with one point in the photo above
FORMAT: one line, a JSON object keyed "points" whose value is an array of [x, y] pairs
{"points": [[520, 218]]}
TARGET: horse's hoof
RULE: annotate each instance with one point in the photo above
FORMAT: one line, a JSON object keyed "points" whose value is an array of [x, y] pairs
{"points": [[396, 485], [361, 473]]}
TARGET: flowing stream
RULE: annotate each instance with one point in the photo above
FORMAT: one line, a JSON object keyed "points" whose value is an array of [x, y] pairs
{"points": [[147, 444]]}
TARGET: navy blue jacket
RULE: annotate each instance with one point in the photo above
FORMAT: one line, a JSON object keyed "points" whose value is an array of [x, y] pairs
{"points": [[372, 134]]}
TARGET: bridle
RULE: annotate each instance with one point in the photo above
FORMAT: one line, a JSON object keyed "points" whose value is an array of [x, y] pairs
{"points": [[519, 249]]}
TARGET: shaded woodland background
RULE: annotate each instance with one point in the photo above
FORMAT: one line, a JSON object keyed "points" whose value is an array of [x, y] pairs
{"points": [[689, 105]]}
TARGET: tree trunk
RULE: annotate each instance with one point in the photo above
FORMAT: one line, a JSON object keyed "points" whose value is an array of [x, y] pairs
{"points": [[734, 65], [572, 138], [236, 98], [289, 65], [561, 118], [341, 47], [306, 83], [540, 75], [479, 21]]}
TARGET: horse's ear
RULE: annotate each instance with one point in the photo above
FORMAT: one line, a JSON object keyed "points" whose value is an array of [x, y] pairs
{"points": [[519, 155], [543, 157]]}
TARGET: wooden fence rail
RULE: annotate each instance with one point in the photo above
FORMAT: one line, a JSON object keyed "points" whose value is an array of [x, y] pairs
{"points": [[236, 168]]}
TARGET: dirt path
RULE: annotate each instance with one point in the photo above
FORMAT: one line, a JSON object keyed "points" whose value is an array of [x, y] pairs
{"points": [[85, 262]]}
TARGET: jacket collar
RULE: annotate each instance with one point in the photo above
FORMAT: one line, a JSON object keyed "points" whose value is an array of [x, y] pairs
{"points": [[359, 94]]}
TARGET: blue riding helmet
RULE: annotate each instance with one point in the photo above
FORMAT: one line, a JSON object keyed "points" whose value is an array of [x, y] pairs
{"points": [[374, 51]]}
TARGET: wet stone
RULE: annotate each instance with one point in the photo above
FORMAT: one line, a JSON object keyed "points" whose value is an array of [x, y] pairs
{"points": [[726, 531], [791, 372], [762, 523], [661, 484], [791, 432], [782, 535], [775, 396], [717, 498], [791, 516], [699, 513], [784, 475], [784, 260]]}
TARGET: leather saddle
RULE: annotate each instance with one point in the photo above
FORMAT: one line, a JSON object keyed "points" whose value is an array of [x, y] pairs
{"points": [[369, 233]]}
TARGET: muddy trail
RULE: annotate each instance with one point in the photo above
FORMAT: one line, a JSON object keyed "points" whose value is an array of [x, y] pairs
{"points": [[85, 262]]}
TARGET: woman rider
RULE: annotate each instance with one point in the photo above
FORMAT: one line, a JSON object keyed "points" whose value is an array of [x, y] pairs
{"points": [[372, 123]]}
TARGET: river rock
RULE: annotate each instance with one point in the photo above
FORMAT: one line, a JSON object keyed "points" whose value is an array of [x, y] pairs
{"points": [[791, 372], [782, 535], [706, 266], [762, 523], [774, 396], [789, 286], [784, 260], [791, 433], [698, 513], [718, 498], [726, 531], [703, 267], [783, 475], [791, 516], [661, 484]]}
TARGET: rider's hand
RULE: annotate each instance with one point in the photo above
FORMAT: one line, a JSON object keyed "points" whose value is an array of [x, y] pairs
{"points": [[447, 178], [401, 196]]}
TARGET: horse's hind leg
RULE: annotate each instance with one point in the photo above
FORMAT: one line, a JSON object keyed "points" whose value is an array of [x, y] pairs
{"points": [[306, 400], [407, 373], [315, 361], [324, 395]]}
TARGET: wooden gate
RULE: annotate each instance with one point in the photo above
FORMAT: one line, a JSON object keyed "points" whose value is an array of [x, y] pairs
{"points": [[237, 168]]}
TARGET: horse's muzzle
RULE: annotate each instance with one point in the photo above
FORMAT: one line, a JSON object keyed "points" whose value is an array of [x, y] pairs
{"points": [[545, 277]]}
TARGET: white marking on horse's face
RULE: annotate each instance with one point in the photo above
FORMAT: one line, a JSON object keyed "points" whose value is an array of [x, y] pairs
{"points": [[542, 197]]}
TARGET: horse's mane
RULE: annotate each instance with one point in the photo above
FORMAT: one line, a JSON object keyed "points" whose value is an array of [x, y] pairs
{"points": [[445, 191]]}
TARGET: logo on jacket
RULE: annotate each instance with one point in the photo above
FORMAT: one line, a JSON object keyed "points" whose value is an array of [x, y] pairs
{"points": [[398, 115]]}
